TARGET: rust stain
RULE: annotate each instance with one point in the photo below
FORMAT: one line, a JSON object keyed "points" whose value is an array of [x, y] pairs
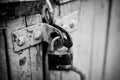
{"points": [[22, 61], [38, 60]]}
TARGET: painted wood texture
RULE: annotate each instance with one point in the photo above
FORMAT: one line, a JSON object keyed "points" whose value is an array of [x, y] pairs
{"points": [[89, 43], [20, 63], [89, 39], [98, 40], [112, 70], [31, 58], [82, 38], [3, 62], [35, 51]]}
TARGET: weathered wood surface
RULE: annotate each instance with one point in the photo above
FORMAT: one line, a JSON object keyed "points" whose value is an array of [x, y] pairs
{"points": [[13, 10], [82, 38], [35, 51], [89, 38], [98, 40], [6, 1], [112, 70], [20, 64], [31, 58], [70, 7], [61, 17], [3, 62]]}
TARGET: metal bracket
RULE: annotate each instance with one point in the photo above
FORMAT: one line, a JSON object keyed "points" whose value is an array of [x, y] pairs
{"points": [[32, 35]]}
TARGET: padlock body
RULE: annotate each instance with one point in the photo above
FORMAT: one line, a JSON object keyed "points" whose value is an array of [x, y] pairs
{"points": [[60, 62]]}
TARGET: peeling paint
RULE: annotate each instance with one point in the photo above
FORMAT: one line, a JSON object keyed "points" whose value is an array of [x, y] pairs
{"points": [[22, 61]]}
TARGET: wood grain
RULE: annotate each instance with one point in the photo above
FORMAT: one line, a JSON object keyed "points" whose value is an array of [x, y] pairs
{"points": [[98, 40], [3, 62], [82, 37], [18, 71], [35, 51]]}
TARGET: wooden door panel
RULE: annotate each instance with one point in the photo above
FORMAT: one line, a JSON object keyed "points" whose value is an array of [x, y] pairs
{"points": [[90, 19], [35, 51], [36, 63], [88, 48], [19, 62], [82, 37], [99, 40]]}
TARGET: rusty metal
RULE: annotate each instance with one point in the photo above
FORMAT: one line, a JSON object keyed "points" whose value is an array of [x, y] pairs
{"points": [[32, 35]]}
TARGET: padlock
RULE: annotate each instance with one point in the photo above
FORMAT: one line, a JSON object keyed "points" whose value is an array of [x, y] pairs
{"points": [[59, 56], [60, 61], [59, 53]]}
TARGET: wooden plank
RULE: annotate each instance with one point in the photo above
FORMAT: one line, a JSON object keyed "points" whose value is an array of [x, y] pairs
{"points": [[36, 54], [55, 75], [36, 62], [33, 19], [3, 64], [66, 21], [35, 51], [99, 40], [112, 70], [69, 75], [82, 42], [61, 16], [19, 62], [6, 1], [69, 8]]}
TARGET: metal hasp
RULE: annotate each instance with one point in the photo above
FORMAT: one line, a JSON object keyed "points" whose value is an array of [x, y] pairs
{"points": [[32, 35]]}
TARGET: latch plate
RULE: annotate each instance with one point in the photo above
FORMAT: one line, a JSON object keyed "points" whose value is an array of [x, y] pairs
{"points": [[30, 36]]}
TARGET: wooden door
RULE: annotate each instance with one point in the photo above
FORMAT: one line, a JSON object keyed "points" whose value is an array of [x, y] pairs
{"points": [[26, 64], [89, 32], [89, 36]]}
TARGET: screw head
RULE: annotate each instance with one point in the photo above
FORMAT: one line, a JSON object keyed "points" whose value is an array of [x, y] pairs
{"points": [[20, 41], [37, 35], [72, 23]]}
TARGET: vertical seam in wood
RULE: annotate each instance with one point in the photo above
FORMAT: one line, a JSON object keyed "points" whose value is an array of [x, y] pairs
{"points": [[7, 56], [26, 22], [107, 38], [30, 63], [60, 75], [26, 25], [59, 14]]}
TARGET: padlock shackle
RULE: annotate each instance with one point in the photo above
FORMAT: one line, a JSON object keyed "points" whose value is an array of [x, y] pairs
{"points": [[52, 47], [69, 40], [46, 33]]}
